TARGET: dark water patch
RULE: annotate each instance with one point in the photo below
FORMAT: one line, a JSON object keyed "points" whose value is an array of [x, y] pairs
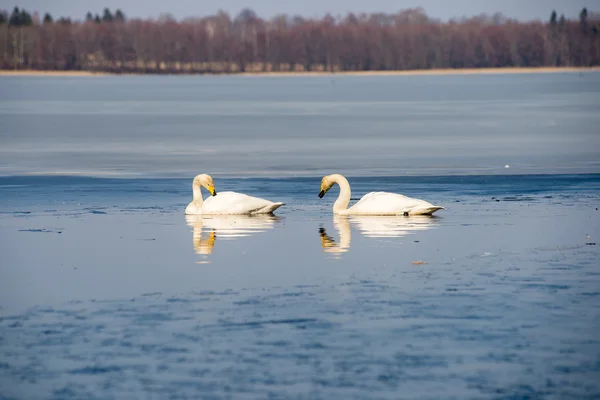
{"points": [[188, 337], [159, 317], [276, 343], [97, 369], [518, 198], [409, 361], [482, 317], [517, 392], [179, 300], [306, 286], [314, 346], [51, 332], [73, 391], [249, 302], [216, 293], [152, 208], [291, 321], [552, 287], [41, 230], [561, 267], [97, 212], [290, 294], [156, 348], [503, 358]]}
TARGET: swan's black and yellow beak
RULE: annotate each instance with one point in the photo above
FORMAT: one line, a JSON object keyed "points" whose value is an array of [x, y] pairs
{"points": [[212, 190], [321, 194]]}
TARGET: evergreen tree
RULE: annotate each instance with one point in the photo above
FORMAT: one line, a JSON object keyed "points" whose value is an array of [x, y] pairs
{"points": [[26, 19], [107, 16], [553, 18], [47, 18], [119, 16], [3, 17], [89, 17], [15, 17], [583, 15]]}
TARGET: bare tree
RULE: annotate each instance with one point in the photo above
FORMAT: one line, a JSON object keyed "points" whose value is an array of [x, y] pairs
{"points": [[408, 39]]}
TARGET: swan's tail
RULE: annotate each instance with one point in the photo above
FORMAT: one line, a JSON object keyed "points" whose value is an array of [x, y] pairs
{"points": [[425, 210], [270, 208]]}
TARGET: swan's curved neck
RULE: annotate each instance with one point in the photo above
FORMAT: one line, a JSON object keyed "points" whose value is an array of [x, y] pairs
{"points": [[344, 198], [197, 191]]}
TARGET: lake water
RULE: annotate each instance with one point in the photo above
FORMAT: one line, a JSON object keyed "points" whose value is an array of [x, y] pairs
{"points": [[107, 290], [240, 126]]}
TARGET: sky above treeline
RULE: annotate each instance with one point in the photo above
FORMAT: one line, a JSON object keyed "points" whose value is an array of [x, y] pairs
{"points": [[442, 9]]}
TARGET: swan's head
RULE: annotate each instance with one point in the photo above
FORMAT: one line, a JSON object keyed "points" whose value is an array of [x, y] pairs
{"points": [[207, 182], [326, 183]]}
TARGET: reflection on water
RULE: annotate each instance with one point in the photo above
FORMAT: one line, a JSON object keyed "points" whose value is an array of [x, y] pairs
{"points": [[382, 226], [342, 226], [371, 227], [229, 227]]}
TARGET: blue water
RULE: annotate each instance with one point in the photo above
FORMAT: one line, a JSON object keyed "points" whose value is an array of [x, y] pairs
{"points": [[108, 291]]}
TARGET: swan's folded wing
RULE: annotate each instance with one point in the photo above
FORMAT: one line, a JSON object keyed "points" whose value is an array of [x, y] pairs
{"points": [[234, 203], [385, 203]]}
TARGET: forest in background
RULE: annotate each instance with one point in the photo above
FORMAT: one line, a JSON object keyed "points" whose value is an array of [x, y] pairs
{"points": [[407, 40]]}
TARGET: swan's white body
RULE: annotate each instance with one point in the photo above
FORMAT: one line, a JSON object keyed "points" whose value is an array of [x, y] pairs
{"points": [[226, 203], [374, 203], [238, 203]]}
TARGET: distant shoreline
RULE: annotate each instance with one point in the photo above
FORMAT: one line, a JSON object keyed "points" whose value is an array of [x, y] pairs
{"points": [[460, 71]]}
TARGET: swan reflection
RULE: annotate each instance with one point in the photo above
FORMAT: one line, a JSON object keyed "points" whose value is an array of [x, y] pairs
{"points": [[229, 227], [342, 226], [371, 227], [380, 226]]}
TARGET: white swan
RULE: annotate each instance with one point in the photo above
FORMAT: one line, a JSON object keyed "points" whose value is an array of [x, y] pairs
{"points": [[374, 203], [225, 203]]}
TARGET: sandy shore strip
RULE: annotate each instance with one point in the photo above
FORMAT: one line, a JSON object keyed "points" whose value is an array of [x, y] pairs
{"points": [[461, 71], [34, 72], [448, 71]]}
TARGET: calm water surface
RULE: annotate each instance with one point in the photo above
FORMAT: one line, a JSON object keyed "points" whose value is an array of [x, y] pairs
{"points": [[108, 291], [240, 126]]}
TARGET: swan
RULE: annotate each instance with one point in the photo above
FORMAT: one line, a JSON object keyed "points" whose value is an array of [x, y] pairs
{"points": [[226, 203], [374, 203]]}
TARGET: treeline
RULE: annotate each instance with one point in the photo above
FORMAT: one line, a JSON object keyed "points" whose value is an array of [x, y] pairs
{"points": [[220, 44]]}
